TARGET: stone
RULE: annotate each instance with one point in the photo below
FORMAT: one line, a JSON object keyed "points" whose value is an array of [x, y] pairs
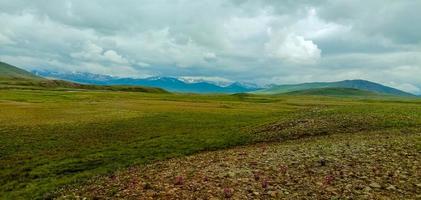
{"points": [[391, 187], [272, 193], [375, 185], [231, 174], [367, 189], [330, 189]]}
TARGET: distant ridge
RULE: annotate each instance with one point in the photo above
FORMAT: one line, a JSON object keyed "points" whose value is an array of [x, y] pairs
{"points": [[355, 84], [167, 83]]}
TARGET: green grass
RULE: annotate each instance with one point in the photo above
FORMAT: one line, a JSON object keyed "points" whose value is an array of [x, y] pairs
{"points": [[54, 138]]}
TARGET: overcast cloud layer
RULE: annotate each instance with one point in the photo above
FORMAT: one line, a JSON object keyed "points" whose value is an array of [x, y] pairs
{"points": [[267, 41]]}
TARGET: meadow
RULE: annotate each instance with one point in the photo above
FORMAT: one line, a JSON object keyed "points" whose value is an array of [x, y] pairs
{"points": [[50, 139]]}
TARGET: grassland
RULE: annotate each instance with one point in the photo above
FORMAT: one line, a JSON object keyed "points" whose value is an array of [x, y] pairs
{"points": [[54, 138]]}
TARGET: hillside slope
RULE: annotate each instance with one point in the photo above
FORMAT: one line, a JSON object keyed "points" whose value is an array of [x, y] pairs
{"points": [[11, 72], [334, 92], [356, 84], [12, 77]]}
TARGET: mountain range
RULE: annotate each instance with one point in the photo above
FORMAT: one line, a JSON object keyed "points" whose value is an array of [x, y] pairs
{"points": [[167, 83], [11, 75]]}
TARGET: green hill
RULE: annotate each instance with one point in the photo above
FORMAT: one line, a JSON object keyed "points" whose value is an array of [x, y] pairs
{"points": [[355, 84], [9, 72], [12, 77], [334, 92]]}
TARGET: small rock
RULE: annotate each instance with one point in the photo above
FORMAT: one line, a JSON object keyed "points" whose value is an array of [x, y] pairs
{"points": [[375, 185], [179, 180], [418, 185], [391, 187], [256, 176], [265, 183], [330, 189], [228, 192], [367, 189], [348, 187], [231, 174], [147, 186], [272, 193]]}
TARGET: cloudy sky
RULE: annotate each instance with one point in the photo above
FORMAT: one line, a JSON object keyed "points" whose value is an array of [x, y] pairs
{"points": [[260, 41]]}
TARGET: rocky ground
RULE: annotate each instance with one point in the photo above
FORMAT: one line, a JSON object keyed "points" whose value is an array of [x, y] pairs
{"points": [[375, 165]]}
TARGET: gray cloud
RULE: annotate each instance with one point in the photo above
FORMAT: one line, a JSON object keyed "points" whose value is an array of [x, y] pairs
{"points": [[265, 41]]}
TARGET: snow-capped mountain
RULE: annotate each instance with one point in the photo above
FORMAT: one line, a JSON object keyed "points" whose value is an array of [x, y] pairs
{"points": [[167, 83]]}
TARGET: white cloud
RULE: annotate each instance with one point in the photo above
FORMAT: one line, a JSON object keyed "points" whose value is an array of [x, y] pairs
{"points": [[313, 27], [209, 56], [143, 64], [112, 56], [407, 87], [246, 27], [4, 40], [163, 47], [292, 48], [92, 52]]}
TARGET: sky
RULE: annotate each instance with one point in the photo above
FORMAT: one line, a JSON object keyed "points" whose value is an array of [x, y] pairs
{"points": [[255, 41]]}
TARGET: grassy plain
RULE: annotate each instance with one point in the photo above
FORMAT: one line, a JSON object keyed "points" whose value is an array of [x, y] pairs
{"points": [[55, 138]]}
